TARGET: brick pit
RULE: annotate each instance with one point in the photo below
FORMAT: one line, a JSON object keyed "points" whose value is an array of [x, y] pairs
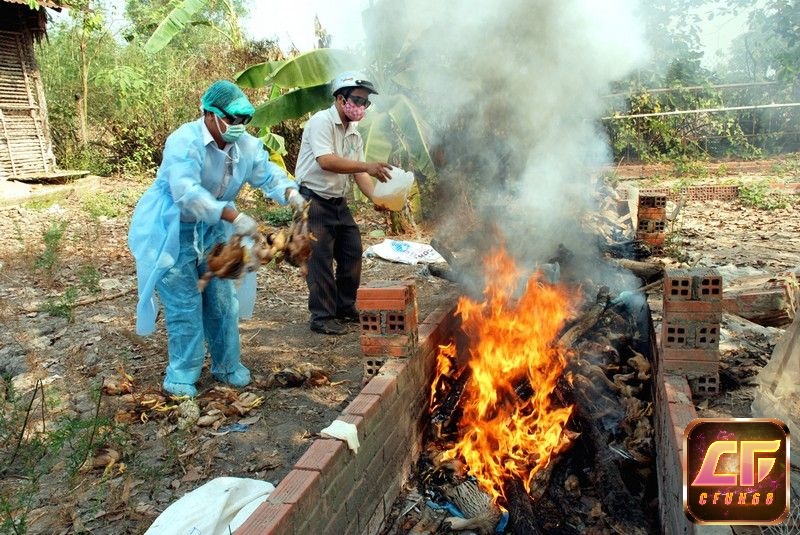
{"points": [[331, 489]]}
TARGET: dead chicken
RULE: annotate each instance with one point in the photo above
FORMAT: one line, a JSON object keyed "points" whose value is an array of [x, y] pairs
{"points": [[243, 254], [298, 249]]}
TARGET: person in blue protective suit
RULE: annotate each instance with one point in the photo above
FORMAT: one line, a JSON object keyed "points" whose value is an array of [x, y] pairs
{"points": [[189, 209]]}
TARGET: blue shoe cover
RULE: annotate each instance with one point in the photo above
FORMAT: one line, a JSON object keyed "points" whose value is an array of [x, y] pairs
{"points": [[239, 378], [180, 389]]}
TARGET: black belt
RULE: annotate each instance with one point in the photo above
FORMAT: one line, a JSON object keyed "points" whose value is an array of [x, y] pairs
{"points": [[311, 193]]}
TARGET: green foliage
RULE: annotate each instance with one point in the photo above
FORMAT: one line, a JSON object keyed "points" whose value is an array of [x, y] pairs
{"points": [[279, 216], [105, 205], [135, 100], [758, 195], [684, 167], [90, 278], [63, 306], [179, 18], [49, 259], [677, 138]]}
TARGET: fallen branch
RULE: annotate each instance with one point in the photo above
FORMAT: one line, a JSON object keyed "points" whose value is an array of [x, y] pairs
{"points": [[40, 307]]}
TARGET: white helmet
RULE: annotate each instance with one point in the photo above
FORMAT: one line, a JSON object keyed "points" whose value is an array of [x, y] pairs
{"points": [[351, 79]]}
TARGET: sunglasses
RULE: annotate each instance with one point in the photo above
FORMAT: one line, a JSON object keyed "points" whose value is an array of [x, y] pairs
{"points": [[237, 119], [359, 101]]}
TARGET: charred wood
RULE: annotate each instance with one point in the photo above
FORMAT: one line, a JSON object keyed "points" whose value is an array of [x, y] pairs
{"points": [[586, 321], [442, 415], [443, 271], [616, 499], [520, 509], [647, 271]]}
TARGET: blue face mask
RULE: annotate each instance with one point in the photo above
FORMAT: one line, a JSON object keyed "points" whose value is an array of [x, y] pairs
{"points": [[232, 131]]}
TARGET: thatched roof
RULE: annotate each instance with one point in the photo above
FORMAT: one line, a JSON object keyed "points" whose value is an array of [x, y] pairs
{"points": [[43, 3], [16, 15]]}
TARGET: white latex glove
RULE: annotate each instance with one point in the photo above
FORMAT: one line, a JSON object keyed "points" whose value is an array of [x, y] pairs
{"points": [[296, 201], [244, 225]]}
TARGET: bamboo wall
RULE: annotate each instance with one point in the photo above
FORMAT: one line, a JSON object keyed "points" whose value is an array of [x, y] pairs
{"points": [[25, 145]]}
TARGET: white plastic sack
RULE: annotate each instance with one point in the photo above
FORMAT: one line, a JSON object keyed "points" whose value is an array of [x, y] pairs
{"points": [[404, 252], [393, 193], [217, 508], [778, 391]]}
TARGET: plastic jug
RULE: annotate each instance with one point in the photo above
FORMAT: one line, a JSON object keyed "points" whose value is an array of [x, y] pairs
{"points": [[393, 193]]}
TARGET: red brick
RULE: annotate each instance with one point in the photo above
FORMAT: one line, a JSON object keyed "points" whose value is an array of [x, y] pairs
{"points": [[380, 304], [677, 285], [676, 389], [386, 292], [681, 414], [294, 487], [690, 368], [704, 386], [709, 308], [363, 405], [394, 367], [652, 238], [268, 519], [322, 454], [651, 225], [381, 385], [372, 365], [652, 213], [652, 200], [438, 314], [689, 355]]}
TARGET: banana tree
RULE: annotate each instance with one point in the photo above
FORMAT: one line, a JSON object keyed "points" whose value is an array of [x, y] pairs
{"points": [[392, 130], [186, 13]]}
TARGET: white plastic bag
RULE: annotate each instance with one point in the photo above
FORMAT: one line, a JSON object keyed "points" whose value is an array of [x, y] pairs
{"points": [[218, 507], [404, 252], [393, 193]]}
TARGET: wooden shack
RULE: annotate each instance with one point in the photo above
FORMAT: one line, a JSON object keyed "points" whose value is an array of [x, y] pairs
{"points": [[26, 150]]}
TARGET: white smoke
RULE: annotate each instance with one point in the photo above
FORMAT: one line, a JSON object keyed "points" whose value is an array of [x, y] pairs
{"points": [[530, 76]]}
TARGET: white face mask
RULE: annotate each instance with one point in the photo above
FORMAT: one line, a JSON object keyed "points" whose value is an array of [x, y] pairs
{"points": [[232, 132]]}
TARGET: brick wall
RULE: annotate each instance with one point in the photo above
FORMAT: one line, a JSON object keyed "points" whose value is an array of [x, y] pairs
{"points": [[333, 490], [689, 341]]}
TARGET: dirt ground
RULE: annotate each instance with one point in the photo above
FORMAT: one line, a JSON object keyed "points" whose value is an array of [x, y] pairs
{"points": [[73, 356], [67, 311]]}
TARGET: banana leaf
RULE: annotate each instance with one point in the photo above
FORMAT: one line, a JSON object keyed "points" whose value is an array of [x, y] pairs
{"points": [[292, 105], [273, 142], [174, 23], [376, 132], [414, 134], [312, 68], [256, 76]]}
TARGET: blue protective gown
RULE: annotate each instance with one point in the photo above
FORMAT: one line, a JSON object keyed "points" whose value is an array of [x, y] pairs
{"points": [[175, 224]]}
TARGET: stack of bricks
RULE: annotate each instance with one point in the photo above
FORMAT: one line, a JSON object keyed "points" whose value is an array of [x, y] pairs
{"points": [[651, 226], [388, 317], [690, 328]]}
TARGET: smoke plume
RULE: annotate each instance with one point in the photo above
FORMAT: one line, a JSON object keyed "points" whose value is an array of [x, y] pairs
{"points": [[514, 88]]}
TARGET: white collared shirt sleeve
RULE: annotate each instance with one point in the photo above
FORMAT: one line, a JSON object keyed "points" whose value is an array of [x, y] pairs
{"points": [[269, 177]]}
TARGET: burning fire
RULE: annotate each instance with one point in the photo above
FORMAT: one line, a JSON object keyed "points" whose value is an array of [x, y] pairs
{"points": [[511, 342]]}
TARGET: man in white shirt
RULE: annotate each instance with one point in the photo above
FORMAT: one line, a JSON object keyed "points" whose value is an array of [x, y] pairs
{"points": [[330, 152]]}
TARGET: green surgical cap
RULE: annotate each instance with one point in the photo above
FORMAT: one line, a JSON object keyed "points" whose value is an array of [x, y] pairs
{"points": [[225, 97]]}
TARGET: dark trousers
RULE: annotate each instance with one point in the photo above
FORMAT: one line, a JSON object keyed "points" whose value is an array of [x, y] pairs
{"points": [[337, 239]]}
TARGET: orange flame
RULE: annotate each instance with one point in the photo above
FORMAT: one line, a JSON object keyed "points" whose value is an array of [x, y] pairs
{"points": [[511, 341]]}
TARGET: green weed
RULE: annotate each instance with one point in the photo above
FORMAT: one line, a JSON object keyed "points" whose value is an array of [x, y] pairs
{"points": [[64, 306], [758, 195], [103, 205], [40, 204], [90, 278], [689, 168], [49, 260]]}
